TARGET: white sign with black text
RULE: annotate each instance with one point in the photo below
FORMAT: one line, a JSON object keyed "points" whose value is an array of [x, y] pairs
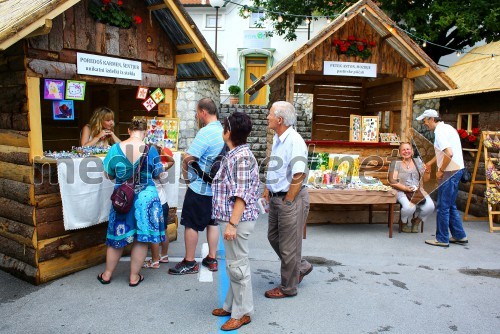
{"points": [[347, 69], [102, 66]]}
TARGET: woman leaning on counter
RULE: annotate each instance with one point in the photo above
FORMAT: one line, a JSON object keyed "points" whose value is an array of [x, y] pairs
{"points": [[100, 130]]}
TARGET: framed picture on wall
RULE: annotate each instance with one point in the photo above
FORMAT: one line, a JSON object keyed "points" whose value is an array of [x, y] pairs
{"points": [[163, 132], [63, 110], [164, 109], [142, 92], [355, 128], [75, 90], [157, 95], [369, 128], [53, 89]]}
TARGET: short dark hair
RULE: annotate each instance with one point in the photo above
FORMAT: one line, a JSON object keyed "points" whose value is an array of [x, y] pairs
{"points": [[240, 125], [207, 104]]}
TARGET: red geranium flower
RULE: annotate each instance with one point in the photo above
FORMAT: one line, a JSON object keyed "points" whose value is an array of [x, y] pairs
{"points": [[361, 47], [472, 139], [343, 48], [351, 38], [106, 2], [475, 131], [137, 19], [119, 2], [372, 43], [463, 135]]}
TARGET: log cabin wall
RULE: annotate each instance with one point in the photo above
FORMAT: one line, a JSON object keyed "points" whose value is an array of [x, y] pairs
{"points": [[17, 229], [54, 56]]}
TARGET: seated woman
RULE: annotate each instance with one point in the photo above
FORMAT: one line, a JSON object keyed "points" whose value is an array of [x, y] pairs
{"points": [[144, 222], [99, 131], [405, 176]]}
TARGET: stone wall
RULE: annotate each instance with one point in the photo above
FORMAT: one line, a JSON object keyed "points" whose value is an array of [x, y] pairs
{"points": [[188, 95], [258, 138]]}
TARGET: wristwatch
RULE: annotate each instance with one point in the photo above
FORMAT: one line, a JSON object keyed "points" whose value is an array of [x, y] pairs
{"points": [[233, 225]]}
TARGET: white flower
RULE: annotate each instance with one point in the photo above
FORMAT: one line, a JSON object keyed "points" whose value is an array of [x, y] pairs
{"points": [[120, 229]]}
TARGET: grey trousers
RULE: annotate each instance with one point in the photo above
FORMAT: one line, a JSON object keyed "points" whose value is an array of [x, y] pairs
{"points": [[239, 298], [286, 223]]}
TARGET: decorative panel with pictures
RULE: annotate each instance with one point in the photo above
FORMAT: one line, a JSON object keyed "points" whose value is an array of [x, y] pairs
{"points": [[355, 128], [369, 128], [163, 132]]}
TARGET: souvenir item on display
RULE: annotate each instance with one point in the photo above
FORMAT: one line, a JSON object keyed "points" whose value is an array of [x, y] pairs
{"points": [[142, 92], [63, 110], [369, 126], [155, 132], [157, 95], [389, 138], [53, 89], [77, 152], [149, 104], [171, 138], [75, 90], [164, 109], [355, 128]]}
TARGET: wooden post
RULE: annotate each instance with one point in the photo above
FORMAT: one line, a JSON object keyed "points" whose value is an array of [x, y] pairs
{"points": [[35, 116], [290, 84], [406, 108]]}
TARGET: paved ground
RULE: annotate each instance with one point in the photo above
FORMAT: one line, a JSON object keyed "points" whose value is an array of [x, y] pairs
{"points": [[363, 282]]}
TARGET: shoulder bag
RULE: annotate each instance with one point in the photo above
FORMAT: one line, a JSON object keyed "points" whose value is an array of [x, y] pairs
{"points": [[122, 198], [416, 197]]}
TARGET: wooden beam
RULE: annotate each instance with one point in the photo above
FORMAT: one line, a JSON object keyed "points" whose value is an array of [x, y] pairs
{"points": [[406, 109], [418, 73], [43, 30], [176, 12], [290, 84], [186, 46], [18, 35], [381, 82], [35, 118], [189, 58]]}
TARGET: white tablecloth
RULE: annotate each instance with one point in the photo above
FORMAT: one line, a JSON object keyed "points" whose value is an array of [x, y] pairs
{"points": [[85, 192]]}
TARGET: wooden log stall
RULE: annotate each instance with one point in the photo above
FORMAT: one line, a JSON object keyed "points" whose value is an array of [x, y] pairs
{"points": [[34, 244], [379, 81]]}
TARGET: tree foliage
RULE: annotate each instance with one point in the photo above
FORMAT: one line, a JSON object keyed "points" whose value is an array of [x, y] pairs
{"points": [[455, 24]]}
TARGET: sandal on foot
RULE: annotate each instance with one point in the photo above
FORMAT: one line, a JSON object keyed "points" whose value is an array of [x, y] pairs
{"points": [[151, 265], [102, 280], [141, 278], [163, 259]]}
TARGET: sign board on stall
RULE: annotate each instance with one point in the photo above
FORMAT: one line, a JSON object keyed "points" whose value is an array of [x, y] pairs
{"points": [[103, 66], [348, 69]]}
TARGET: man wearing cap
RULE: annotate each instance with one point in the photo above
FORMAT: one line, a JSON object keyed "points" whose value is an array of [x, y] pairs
{"points": [[450, 165]]}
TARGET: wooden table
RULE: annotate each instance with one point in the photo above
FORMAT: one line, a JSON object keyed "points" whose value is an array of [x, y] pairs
{"points": [[356, 197]]}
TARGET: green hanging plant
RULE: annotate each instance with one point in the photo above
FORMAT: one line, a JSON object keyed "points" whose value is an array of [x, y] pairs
{"points": [[112, 13]]}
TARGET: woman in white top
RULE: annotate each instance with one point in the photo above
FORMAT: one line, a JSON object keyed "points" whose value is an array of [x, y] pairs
{"points": [[100, 130], [408, 175]]}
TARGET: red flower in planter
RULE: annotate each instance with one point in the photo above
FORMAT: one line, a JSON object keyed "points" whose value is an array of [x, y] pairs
{"points": [[475, 131], [361, 47], [137, 19], [354, 46], [472, 139], [351, 38]]}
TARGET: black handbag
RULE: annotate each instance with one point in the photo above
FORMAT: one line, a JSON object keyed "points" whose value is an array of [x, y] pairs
{"points": [[416, 197]]}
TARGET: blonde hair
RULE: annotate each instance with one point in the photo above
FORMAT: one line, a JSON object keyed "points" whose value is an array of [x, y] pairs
{"points": [[100, 115]]}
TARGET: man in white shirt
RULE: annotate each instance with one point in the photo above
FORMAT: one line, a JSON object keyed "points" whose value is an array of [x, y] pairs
{"points": [[288, 199], [450, 167]]}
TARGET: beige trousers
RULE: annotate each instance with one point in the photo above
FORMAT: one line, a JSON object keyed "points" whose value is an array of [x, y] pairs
{"points": [[239, 298]]}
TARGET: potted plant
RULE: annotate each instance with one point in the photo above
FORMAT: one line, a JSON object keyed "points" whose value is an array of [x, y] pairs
{"points": [[234, 91]]}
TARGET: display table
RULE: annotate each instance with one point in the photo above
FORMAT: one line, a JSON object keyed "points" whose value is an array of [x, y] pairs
{"points": [[356, 197]]}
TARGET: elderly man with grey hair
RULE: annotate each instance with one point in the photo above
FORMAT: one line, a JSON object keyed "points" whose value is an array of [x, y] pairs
{"points": [[288, 198]]}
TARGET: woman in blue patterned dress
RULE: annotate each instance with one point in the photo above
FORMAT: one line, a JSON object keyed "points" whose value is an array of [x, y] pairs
{"points": [[144, 222]]}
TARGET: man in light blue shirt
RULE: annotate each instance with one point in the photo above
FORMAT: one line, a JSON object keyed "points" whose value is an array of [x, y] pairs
{"points": [[197, 207], [288, 199]]}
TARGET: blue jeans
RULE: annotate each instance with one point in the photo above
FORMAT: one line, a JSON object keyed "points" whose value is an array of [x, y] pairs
{"points": [[448, 219]]}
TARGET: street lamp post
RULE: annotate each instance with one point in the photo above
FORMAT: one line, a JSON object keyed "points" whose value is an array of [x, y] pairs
{"points": [[216, 4]]}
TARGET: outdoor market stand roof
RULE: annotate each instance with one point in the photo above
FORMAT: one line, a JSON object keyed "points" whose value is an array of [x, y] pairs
{"points": [[20, 18], [434, 79], [473, 73]]}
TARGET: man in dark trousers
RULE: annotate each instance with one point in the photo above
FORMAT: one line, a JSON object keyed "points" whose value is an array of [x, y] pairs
{"points": [[288, 198]]}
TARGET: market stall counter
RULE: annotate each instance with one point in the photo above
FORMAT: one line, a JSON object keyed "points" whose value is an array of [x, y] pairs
{"points": [[355, 197]]}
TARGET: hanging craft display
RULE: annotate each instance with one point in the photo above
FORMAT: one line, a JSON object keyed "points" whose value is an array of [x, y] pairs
{"points": [[75, 90], [53, 89], [164, 109], [355, 128], [157, 95], [63, 110], [369, 126], [149, 104], [163, 132], [142, 92]]}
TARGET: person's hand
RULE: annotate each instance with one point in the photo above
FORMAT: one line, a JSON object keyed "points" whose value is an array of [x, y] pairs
{"points": [[229, 233], [265, 194], [104, 133], [439, 175]]}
